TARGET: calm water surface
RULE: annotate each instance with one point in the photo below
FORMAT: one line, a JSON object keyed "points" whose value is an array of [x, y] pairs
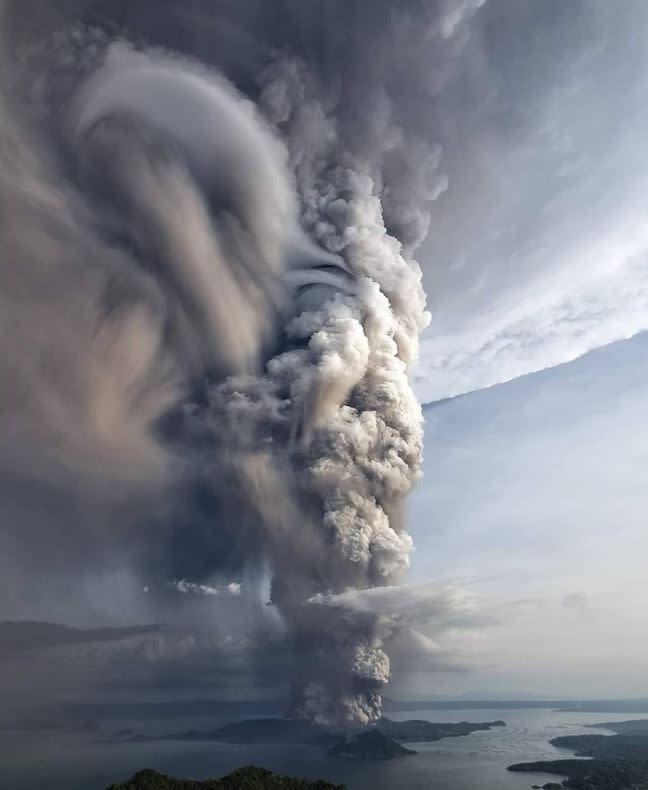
{"points": [[87, 760]]}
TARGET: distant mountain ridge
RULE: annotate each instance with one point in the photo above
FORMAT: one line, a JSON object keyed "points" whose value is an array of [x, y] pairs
{"points": [[637, 705]]}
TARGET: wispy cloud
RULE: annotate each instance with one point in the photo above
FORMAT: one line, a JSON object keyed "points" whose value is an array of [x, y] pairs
{"points": [[610, 307], [539, 246]]}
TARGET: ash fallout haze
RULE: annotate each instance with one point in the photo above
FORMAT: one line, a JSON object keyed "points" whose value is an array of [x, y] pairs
{"points": [[210, 307]]}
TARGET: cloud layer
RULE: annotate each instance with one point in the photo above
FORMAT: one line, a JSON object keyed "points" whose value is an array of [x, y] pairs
{"points": [[539, 244]]}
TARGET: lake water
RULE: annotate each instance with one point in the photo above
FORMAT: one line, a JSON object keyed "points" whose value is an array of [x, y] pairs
{"points": [[85, 760]]}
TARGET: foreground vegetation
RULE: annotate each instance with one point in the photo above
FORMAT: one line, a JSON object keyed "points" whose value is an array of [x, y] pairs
{"points": [[249, 778]]}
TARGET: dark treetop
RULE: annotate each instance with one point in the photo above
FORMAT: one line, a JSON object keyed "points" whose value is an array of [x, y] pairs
{"points": [[249, 778]]}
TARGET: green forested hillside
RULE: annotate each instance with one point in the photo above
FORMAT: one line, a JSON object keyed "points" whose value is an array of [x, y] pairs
{"points": [[249, 778]]}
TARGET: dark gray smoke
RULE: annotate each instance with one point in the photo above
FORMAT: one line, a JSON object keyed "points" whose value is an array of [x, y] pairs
{"points": [[209, 303]]}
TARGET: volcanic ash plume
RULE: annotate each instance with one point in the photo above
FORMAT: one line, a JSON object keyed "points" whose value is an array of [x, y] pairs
{"points": [[249, 305]]}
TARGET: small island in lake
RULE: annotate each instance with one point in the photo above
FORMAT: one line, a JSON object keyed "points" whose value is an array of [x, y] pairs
{"points": [[382, 742], [370, 745]]}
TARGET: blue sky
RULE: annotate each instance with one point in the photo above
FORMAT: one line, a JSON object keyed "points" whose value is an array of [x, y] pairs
{"points": [[537, 249], [534, 500], [536, 268]]}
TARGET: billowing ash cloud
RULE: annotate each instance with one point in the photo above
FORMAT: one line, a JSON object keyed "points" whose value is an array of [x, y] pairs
{"points": [[414, 624], [210, 303]]}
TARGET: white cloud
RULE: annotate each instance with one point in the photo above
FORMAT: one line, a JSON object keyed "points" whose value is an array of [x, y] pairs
{"points": [[186, 587]]}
